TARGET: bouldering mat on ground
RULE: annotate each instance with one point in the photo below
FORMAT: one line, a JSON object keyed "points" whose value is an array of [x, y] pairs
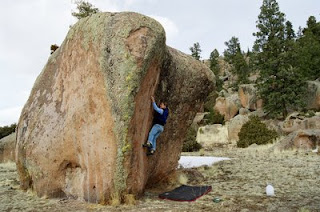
{"points": [[186, 193]]}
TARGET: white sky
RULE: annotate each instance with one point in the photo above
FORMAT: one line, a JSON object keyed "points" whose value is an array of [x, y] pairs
{"points": [[28, 28]]}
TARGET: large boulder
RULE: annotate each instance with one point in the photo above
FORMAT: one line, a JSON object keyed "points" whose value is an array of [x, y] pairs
{"points": [[228, 106], [211, 136], [7, 148], [313, 95], [296, 121], [273, 124], [80, 134], [300, 139], [248, 97], [199, 118], [234, 127]]}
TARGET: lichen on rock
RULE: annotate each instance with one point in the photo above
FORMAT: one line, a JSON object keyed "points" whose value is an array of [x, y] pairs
{"points": [[81, 130]]}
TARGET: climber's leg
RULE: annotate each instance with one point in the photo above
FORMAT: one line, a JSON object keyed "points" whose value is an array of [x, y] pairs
{"points": [[157, 130]]}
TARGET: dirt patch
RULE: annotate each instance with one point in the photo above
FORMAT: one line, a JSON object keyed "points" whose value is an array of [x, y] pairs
{"points": [[239, 182]]}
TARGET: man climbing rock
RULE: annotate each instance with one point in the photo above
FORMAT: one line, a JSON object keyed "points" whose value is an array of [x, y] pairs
{"points": [[159, 120]]}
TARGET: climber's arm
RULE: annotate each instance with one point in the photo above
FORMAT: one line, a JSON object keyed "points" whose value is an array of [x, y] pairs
{"points": [[155, 107]]}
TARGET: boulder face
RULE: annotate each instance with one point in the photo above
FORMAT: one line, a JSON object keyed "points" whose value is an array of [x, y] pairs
{"points": [[228, 106], [300, 139], [7, 149], [234, 127], [211, 136], [313, 95], [81, 131], [296, 121], [248, 97]]}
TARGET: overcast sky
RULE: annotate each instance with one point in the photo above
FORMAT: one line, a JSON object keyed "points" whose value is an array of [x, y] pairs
{"points": [[28, 28]]}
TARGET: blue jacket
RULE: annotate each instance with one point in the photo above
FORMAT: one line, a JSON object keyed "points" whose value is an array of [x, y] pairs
{"points": [[161, 115]]}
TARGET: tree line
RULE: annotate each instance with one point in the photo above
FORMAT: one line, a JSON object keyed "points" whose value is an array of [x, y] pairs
{"points": [[7, 130], [283, 59]]}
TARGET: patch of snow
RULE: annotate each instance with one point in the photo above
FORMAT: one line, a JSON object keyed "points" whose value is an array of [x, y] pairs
{"points": [[196, 161]]}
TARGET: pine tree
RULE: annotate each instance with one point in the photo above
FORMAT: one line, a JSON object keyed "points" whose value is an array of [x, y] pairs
{"points": [[214, 63], [233, 47], [85, 9], [241, 68], [281, 87], [289, 44], [215, 68], [234, 56], [308, 50], [195, 51]]}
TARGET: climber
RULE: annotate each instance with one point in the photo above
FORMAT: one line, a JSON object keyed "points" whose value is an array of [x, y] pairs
{"points": [[159, 121]]}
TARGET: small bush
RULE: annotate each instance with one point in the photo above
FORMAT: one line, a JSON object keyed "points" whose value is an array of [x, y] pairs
{"points": [[201, 152], [210, 101], [7, 130], [53, 48], [182, 179], [254, 131], [310, 113], [115, 199], [191, 144], [219, 84], [129, 199], [214, 117]]}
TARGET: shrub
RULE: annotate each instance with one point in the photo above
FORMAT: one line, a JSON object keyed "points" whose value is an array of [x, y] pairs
{"points": [[210, 101], [254, 131], [310, 113], [214, 117], [53, 48], [7, 130], [219, 84], [191, 144]]}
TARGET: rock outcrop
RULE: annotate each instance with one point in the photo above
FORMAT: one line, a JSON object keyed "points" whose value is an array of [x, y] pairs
{"points": [[228, 106], [313, 95], [234, 127], [248, 97], [199, 118], [296, 121], [300, 139], [80, 134], [7, 148], [211, 136]]}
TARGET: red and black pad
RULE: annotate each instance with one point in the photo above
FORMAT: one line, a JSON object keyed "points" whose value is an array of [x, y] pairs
{"points": [[186, 193]]}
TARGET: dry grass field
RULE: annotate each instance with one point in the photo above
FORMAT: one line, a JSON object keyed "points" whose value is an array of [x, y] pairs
{"points": [[239, 182]]}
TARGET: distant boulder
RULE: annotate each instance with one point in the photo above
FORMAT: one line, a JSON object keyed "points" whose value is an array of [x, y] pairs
{"points": [[234, 127], [228, 106], [7, 148], [313, 95], [300, 139], [296, 121], [248, 97], [211, 136]]}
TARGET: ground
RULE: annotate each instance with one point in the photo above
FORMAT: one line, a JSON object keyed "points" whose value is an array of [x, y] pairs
{"points": [[239, 182]]}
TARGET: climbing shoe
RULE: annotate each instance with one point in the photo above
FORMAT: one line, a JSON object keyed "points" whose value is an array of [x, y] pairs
{"points": [[151, 152], [147, 145]]}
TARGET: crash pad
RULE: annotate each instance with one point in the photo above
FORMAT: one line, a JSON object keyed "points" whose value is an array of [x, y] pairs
{"points": [[186, 193]]}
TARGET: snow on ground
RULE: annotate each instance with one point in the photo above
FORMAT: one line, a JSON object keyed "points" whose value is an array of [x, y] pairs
{"points": [[196, 161]]}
